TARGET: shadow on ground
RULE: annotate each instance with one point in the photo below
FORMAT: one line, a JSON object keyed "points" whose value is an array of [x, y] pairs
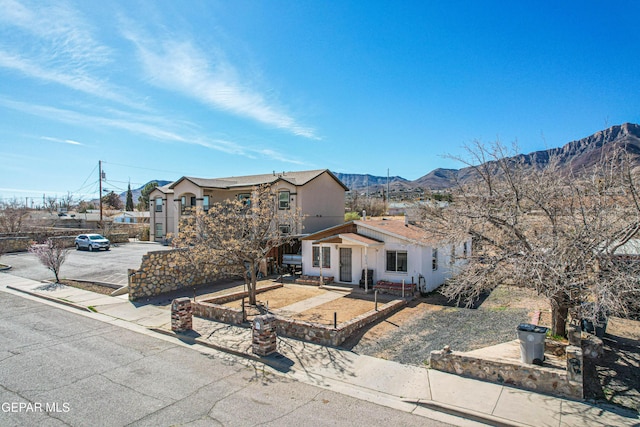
{"points": [[615, 377]]}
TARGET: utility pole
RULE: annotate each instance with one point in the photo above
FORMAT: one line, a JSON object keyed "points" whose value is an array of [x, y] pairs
{"points": [[100, 195]]}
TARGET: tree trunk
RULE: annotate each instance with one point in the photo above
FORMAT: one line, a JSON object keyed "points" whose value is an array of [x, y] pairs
{"points": [[559, 314], [252, 283]]}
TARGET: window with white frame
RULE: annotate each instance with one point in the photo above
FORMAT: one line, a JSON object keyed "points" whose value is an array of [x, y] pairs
{"points": [[158, 204], [397, 261], [283, 200], [326, 257], [434, 259], [158, 229], [205, 203]]}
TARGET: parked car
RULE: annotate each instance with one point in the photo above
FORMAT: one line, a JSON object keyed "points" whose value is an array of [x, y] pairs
{"points": [[92, 242]]}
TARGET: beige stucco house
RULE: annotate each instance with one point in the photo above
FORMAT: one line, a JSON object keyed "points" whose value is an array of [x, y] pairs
{"points": [[319, 194]]}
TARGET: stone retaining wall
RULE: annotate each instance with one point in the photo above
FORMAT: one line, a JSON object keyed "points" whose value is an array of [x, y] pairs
{"points": [[22, 243], [328, 335], [162, 271], [299, 329], [213, 309], [566, 383]]}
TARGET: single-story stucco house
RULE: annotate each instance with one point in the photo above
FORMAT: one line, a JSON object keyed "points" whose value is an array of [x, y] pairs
{"points": [[392, 249]]}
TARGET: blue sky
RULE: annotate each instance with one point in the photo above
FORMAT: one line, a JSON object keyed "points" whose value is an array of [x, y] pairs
{"points": [[162, 89]]}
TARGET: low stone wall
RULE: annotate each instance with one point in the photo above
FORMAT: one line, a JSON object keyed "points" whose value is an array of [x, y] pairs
{"points": [[22, 243], [161, 272], [299, 329], [220, 313], [328, 335], [213, 309], [566, 383]]}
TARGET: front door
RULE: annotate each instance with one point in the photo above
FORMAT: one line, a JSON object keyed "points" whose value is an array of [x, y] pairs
{"points": [[345, 265]]}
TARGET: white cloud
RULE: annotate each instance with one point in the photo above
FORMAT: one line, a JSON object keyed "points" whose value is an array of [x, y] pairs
{"points": [[212, 80], [62, 141], [150, 129], [53, 43]]}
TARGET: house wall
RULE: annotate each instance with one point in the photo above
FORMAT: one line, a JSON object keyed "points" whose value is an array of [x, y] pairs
{"points": [[322, 201], [419, 261], [167, 217]]}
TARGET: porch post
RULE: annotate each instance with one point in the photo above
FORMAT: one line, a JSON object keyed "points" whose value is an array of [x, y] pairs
{"points": [[366, 271]]}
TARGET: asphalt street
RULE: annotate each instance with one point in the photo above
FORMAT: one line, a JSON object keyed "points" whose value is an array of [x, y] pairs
{"points": [[102, 266], [59, 367]]}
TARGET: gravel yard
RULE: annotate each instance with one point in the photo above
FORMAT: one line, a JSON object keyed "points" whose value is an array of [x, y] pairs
{"points": [[431, 323]]}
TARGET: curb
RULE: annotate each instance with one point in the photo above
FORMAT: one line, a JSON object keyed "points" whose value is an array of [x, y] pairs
{"points": [[465, 413], [56, 300]]}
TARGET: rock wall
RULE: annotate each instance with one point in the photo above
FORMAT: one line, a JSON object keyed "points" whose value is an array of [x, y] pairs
{"points": [[305, 331], [22, 243], [162, 271], [328, 335], [566, 383]]}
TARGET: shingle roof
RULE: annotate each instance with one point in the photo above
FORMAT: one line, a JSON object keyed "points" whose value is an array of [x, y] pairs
{"points": [[399, 228], [295, 178]]}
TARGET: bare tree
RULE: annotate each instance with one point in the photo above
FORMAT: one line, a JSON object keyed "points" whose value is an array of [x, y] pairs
{"points": [[12, 216], [51, 254], [547, 227], [237, 234]]}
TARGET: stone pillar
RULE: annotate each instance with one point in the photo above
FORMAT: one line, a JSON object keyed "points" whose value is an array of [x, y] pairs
{"points": [[592, 347], [181, 315], [574, 363], [264, 335], [574, 334]]}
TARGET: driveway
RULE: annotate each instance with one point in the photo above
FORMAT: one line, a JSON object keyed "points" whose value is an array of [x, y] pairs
{"points": [[100, 266]]}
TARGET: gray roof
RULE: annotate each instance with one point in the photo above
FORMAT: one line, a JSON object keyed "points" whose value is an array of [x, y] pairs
{"points": [[295, 178]]}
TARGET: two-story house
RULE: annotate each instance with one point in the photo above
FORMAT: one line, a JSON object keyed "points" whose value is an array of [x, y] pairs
{"points": [[319, 194]]}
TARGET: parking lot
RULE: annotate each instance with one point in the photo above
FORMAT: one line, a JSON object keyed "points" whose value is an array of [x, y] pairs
{"points": [[100, 266]]}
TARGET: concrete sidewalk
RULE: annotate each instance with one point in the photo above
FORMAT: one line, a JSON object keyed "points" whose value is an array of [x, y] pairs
{"points": [[433, 394]]}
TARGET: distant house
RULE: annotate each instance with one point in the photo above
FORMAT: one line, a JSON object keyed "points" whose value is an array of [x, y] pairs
{"points": [[319, 194], [394, 249], [127, 217]]}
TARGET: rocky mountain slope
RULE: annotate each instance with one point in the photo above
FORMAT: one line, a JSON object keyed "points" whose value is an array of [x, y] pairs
{"points": [[573, 156]]}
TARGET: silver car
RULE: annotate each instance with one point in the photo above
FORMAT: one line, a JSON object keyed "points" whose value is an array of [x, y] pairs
{"points": [[92, 242]]}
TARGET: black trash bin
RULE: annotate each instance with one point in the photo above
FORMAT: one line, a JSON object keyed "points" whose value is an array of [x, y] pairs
{"points": [[531, 342]]}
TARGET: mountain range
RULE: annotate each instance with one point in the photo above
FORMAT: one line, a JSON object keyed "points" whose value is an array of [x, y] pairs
{"points": [[574, 155], [581, 153]]}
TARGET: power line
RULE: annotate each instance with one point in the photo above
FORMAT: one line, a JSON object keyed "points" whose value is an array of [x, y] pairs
{"points": [[149, 169]]}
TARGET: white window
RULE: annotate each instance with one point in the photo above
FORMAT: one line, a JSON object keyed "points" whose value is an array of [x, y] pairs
{"points": [[326, 257], [158, 204], [397, 261], [205, 203], [283, 200], [434, 259], [158, 229]]}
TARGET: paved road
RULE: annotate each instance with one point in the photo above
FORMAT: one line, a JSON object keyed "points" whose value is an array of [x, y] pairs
{"points": [[103, 266], [88, 372]]}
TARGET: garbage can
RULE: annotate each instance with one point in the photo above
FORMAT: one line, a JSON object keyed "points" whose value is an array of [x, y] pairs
{"points": [[531, 342]]}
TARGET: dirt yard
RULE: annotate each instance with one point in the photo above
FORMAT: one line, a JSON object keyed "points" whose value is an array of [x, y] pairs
{"points": [[282, 297], [346, 308]]}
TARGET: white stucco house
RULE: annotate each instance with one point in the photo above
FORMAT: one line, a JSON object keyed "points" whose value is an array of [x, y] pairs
{"points": [[393, 249]]}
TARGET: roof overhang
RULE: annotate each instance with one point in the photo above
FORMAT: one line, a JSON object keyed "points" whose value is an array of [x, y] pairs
{"points": [[350, 239]]}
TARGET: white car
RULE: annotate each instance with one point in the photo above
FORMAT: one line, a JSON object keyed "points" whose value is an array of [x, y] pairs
{"points": [[92, 242]]}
